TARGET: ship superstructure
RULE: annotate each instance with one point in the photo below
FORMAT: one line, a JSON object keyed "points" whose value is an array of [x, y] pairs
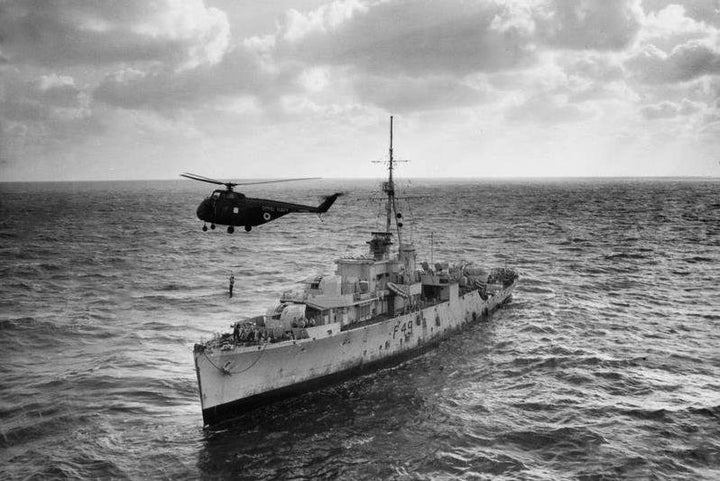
{"points": [[378, 309]]}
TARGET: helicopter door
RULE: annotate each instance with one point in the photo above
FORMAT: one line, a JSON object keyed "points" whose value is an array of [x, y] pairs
{"points": [[234, 207], [222, 207]]}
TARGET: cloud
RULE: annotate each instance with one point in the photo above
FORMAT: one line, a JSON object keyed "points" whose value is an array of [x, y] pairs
{"points": [[81, 76], [668, 110], [322, 20], [408, 94], [240, 72], [49, 97], [594, 67], [58, 91], [685, 62], [547, 109], [706, 11], [421, 37], [66, 32], [419, 51], [41, 116], [589, 25], [176, 54], [425, 37], [671, 27], [418, 55]]}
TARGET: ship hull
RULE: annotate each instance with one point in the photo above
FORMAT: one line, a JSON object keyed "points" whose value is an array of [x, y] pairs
{"points": [[236, 381]]}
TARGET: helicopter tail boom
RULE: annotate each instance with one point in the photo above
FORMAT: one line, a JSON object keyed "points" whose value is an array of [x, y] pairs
{"points": [[328, 202]]}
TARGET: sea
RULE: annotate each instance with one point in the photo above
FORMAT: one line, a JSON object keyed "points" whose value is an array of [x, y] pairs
{"points": [[605, 364]]}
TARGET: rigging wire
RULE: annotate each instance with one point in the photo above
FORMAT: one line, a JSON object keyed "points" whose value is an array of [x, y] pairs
{"points": [[227, 371]]}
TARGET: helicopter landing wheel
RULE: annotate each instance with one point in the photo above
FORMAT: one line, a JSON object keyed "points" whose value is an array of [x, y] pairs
{"points": [[231, 229], [204, 228], [248, 228], [212, 226]]}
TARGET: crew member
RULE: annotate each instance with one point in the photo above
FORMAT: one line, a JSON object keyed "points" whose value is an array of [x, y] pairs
{"points": [[232, 283], [236, 332]]}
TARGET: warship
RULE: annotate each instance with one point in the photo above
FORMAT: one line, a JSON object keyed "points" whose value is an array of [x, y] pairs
{"points": [[378, 310]]}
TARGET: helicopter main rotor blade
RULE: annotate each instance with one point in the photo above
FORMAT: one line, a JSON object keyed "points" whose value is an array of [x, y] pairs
{"points": [[230, 185], [201, 178], [276, 181]]}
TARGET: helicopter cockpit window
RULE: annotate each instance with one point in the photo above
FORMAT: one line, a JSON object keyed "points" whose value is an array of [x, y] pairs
{"points": [[216, 195], [230, 195]]}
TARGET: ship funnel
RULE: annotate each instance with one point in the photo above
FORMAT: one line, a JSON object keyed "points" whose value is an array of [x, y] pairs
{"points": [[380, 245], [408, 257]]}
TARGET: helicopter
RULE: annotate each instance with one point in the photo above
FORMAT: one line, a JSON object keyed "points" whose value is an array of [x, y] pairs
{"points": [[230, 208]]}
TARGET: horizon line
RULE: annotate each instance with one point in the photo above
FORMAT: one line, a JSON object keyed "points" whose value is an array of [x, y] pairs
{"points": [[529, 177]]}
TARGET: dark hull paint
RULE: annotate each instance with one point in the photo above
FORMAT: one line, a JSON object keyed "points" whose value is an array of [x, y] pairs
{"points": [[224, 412]]}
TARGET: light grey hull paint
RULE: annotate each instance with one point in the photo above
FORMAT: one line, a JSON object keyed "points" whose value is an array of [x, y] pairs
{"points": [[228, 376]]}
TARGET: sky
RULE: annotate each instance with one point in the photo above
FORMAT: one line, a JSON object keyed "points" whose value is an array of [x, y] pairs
{"points": [[249, 89]]}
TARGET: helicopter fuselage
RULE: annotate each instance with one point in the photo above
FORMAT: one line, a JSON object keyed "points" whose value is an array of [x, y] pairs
{"points": [[226, 207]]}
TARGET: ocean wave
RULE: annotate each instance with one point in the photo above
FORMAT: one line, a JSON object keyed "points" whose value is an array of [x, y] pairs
{"points": [[27, 323], [567, 437], [468, 464], [625, 255], [603, 365], [698, 259], [37, 422]]}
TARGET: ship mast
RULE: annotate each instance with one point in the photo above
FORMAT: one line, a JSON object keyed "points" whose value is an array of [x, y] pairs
{"points": [[389, 188], [380, 242]]}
